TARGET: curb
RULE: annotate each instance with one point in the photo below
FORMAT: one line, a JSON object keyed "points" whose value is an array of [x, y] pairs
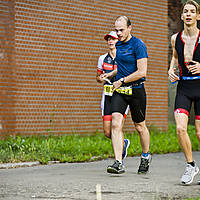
{"points": [[16, 165], [24, 164]]}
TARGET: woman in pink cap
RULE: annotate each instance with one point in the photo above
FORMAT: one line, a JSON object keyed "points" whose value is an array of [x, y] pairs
{"points": [[106, 64]]}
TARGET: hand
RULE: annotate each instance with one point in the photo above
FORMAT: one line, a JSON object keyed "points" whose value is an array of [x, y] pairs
{"points": [[172, 76], [195, 68], [116, 85], [108, 75], [101, 77]]}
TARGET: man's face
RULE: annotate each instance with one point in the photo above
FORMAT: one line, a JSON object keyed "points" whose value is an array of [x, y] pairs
{"points": [[111, 42], [122, 30], [189, 15]]}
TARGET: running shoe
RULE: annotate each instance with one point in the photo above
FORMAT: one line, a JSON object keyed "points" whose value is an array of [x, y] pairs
{"points": [[189, 174], [199, 181], [116, 168], [125, 149], [144, 164]]}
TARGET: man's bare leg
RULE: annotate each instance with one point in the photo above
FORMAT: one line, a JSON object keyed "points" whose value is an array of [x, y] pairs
{"points": [[185, 143], [144, 135], [183, 137], [145, 141]]}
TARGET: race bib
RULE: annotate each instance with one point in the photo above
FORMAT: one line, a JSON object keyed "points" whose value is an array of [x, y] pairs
{"points": [[108, 90], [125, 90]]}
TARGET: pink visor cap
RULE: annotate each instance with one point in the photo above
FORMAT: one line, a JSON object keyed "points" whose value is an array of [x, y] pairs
{"points": [[111, 34]]}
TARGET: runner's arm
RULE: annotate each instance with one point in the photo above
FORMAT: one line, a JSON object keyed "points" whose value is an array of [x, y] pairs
{"points": [[100, 72], [140, 73], [195, 68], [110, 74], [174, 61], [99, 77]]}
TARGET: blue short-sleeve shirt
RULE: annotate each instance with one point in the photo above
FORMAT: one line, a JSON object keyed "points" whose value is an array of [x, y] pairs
{"points": [[127, 55]]}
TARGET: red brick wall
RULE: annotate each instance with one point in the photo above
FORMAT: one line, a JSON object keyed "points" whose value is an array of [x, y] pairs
{"points": [[57, 45], [7, 67]]}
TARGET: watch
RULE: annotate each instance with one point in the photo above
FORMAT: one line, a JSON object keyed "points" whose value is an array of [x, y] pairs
{"points": [[122, 80]]}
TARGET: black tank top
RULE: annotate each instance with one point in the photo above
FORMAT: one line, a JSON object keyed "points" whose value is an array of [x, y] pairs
{"points": [[179, 46]]}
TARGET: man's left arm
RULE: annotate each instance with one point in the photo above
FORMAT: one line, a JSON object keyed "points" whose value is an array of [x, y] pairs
{"points": [[140, 73]]}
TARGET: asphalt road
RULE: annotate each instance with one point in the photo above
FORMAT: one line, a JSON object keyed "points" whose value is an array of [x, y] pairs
{"points": [[77, 181]]}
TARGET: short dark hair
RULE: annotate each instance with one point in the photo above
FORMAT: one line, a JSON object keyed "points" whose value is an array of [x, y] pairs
{"points": [[128, 22], [191, 2]]}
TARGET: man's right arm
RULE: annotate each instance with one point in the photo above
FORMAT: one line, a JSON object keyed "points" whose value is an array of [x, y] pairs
{"points": [[174, 61]]}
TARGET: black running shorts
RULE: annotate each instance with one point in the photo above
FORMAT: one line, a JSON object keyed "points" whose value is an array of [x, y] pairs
{"points": [[106, 108], [188, 91], [136, 102]]}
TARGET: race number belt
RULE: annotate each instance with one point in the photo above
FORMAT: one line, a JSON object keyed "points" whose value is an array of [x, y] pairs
{"points": [[190, 77], [108, 90], [125, 90]]}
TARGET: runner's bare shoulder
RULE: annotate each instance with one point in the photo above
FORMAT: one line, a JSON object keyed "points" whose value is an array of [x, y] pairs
{"points": [[173, 39]]}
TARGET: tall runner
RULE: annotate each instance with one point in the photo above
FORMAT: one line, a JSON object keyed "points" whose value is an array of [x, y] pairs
{"points": [[186, 54]]}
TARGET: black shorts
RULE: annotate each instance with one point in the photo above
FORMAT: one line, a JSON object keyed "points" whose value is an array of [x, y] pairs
{"points": [[106, 108], [188, 91], [136, 102]]}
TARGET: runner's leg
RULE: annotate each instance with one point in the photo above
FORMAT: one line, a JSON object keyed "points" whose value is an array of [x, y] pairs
{"points": [[197, 117], [107, 128], [144, 135], [197, 126], [117, 135], [183, 137]]}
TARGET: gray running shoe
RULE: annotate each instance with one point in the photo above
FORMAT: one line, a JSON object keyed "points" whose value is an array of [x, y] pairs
{"points": [[144, 164], [116, 168], [190, 173]]}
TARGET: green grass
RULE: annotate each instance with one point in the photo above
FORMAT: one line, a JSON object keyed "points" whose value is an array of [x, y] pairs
{"points": [[77, 148]]}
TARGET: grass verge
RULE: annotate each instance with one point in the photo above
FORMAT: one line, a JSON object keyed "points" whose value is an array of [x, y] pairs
{"points": [[77, 148]]}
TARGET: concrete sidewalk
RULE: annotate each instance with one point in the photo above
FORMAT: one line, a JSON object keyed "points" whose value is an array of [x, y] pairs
{"points": [[78, 181]]}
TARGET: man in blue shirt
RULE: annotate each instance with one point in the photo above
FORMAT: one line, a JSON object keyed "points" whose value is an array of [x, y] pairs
{"points": [[129, 90]]}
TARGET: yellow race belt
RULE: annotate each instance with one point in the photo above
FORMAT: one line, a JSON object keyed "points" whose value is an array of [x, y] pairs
{"points": [[108, 90]]}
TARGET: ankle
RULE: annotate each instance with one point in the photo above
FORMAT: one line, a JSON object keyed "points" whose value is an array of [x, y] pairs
{"points": [[145, 154], [191, 163]]}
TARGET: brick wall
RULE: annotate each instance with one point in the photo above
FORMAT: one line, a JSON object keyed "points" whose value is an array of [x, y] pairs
{"points": [[50, 79], [7, 67]]}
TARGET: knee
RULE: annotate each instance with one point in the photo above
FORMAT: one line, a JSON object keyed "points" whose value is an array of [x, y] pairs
{"points": [[139, 128], [197, 127], [115, 125], [198, 134], [181, 130]]}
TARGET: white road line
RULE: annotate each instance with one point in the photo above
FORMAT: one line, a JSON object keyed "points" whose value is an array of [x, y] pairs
{"points": [[98, 191]]}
